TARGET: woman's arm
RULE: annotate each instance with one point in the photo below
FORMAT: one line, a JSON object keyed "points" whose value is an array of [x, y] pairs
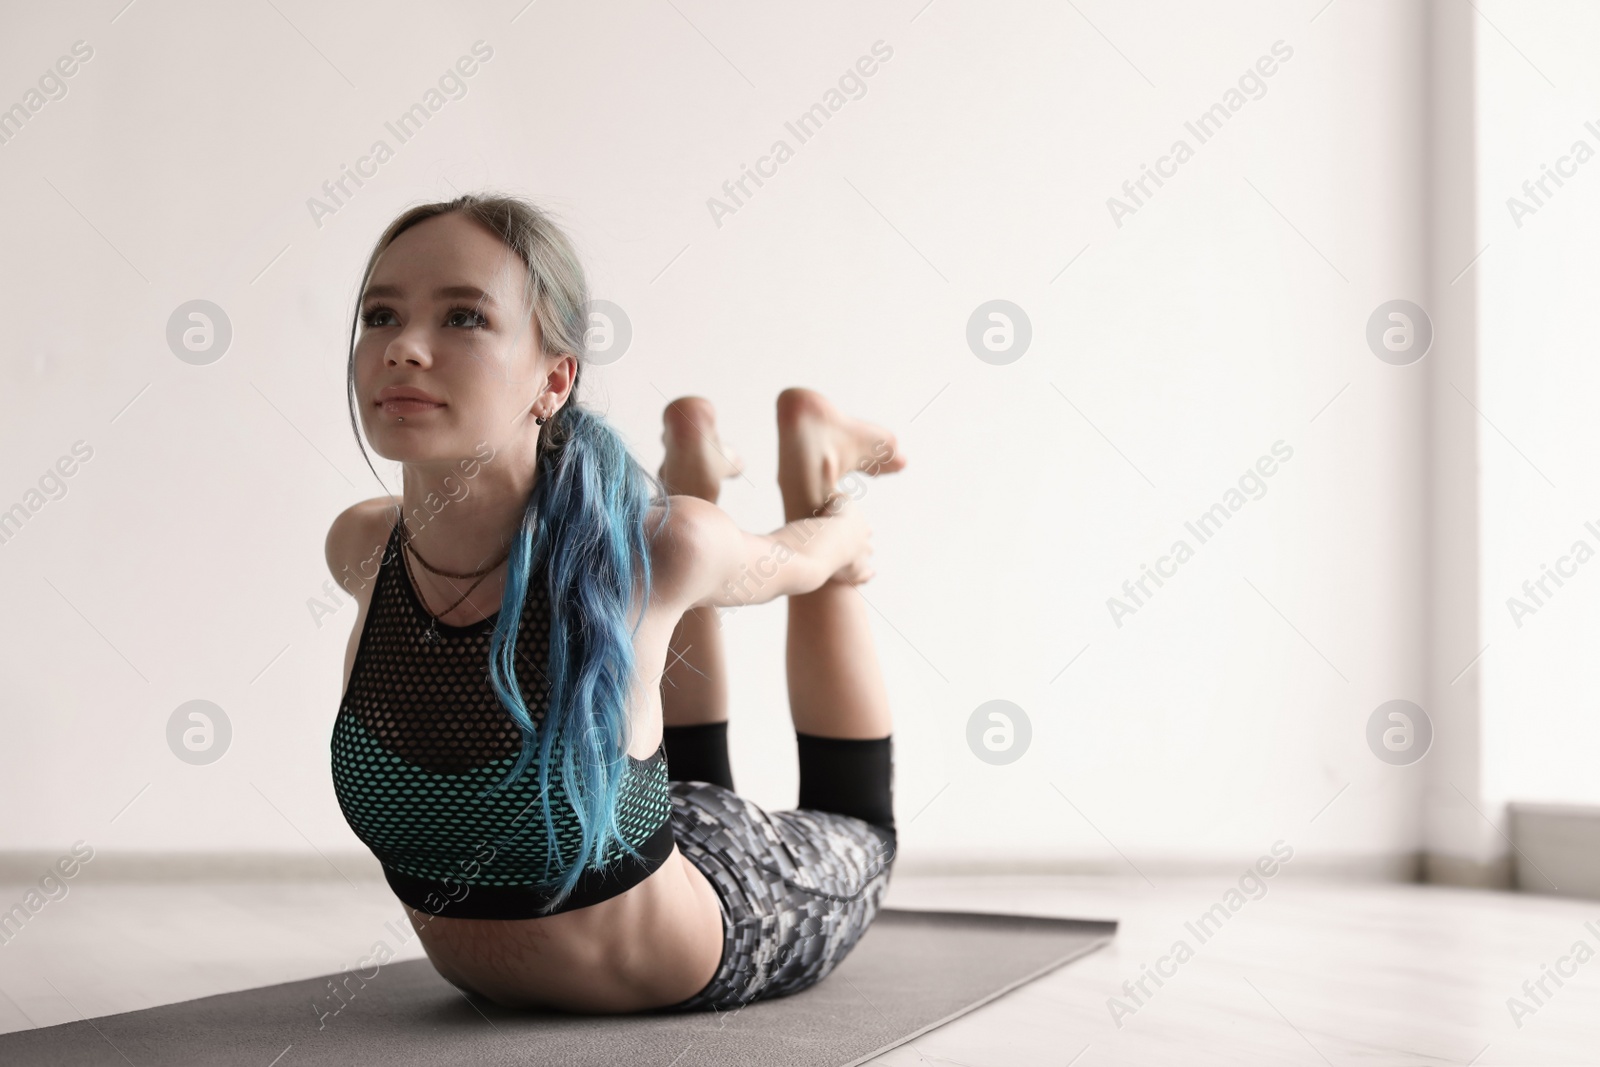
{"points": [[705, 558]]}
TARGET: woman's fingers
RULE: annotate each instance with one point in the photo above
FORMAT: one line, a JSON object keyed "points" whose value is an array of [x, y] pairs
{"points": [[856, 572]]}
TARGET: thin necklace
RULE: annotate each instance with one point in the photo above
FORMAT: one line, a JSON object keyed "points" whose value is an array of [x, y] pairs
{"points": [[431, 634]]}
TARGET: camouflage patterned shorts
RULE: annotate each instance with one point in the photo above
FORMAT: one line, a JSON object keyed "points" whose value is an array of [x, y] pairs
{"points": [[797, 889]]}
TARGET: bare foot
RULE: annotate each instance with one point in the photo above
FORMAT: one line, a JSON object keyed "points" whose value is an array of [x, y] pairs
{"points": [[697, 461], [817, 445]]}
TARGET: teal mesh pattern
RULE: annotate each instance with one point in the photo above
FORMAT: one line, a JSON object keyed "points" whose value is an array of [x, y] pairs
{"points": [[421, 733], [432, 825]]}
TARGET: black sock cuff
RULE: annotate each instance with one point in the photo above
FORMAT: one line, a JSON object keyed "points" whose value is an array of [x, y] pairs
{"points": [[850, 776], [698, 753], [698, 729]]}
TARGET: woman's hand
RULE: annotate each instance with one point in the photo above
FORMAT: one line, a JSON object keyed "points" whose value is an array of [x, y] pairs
{"points": [[854, 540], [856, 572]]}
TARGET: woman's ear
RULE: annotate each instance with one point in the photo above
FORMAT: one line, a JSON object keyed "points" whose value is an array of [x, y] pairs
{"points": [[563, 376]]}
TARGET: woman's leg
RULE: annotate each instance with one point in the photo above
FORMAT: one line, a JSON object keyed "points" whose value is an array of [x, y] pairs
{"points": [[836, 688], [843, 726], [802, 886], [694, 686]]}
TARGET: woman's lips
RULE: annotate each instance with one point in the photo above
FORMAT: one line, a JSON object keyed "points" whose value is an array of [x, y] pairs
{"points": [[407, 407]]}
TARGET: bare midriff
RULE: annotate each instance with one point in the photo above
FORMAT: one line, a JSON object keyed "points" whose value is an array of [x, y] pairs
{"points": [[654, 945]]}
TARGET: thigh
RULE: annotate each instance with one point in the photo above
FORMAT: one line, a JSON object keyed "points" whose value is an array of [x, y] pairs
{"points": [[798, 888]]}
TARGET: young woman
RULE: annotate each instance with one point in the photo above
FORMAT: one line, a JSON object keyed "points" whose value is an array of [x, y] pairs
{"points": [[510, 715]]}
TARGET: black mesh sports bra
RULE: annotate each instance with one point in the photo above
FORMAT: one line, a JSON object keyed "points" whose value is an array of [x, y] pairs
{"points": [[421, 732]]}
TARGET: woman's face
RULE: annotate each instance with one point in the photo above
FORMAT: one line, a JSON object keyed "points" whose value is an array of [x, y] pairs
{"points": [[443, 313]]}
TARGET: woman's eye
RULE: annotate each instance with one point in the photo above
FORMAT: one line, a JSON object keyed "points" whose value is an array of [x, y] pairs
{"points": [[461, 316]]}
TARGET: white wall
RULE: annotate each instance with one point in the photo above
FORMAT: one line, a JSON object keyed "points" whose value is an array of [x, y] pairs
{"points": [[1539, 91], [1226, 314]]}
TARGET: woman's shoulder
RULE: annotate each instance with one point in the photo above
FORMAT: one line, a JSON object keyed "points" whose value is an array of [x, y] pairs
{"points": [[358, 532], [676, 528]]}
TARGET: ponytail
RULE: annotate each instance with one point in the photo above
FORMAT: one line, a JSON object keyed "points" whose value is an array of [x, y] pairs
{"points": [[585, 527]]}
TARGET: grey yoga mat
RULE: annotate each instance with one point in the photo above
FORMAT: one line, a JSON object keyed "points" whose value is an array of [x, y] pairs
{"points": [[910, 972]]}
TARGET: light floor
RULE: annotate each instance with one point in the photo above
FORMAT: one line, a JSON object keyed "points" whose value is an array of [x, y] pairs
{"points": [[1310, 973]]}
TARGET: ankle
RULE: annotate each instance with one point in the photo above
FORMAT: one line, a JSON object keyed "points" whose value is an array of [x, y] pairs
{"points": [[799, 507], [806, 492]]}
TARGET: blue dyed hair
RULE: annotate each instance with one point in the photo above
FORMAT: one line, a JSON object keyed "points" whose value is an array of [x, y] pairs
{"points": [[585, 524]]}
